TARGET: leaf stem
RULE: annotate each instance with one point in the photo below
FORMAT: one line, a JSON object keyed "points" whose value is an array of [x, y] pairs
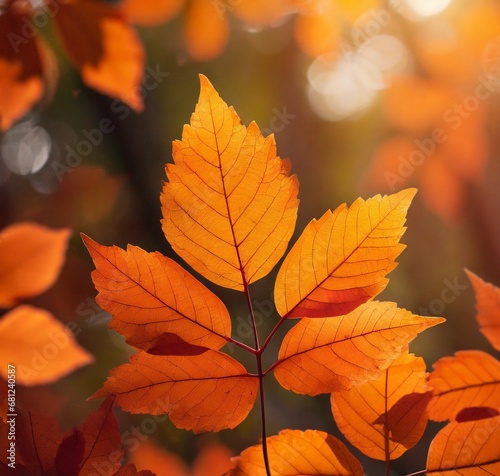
{"points": [[386, 427], [422, 471], [258, 354], [242, 345]]}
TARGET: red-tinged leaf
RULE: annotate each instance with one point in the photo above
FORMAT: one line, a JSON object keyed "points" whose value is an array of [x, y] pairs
{"points": [[340, 261], [385, 417], [299, 453], [230, 205], [104, 47], [189, 388], [103, 451], [323, 355], [466, 449], [488, 308], [42, 348], [37, 442], [206, 30], [150, 12], [469, 379], [475, 413], [32, 256], [21, 68], [152, 299], [70, 453]]}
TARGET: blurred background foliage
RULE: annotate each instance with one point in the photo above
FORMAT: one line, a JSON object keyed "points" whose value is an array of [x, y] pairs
{"points": [[363, 97]]}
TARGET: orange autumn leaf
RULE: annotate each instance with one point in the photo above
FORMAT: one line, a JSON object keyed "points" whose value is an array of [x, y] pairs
{"points": [[213, 459], [150, 12], [299, 453], [442, 189], [340, 261], [416, 105], [230, 205], [151, 299], [466, 449], [206, 30], [318, 30], [262, 13], [21, 68], [385, 417], [323, 355], [104, 47], [42, 349], [469, 379], [189, 388], [488, 308], [31, 256]]}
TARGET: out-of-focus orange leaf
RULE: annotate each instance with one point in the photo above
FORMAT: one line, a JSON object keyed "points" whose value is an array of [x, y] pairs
{"points": [[488, 308], [31, 256], [416, 105], [297, 453], [442, 189], [104, 48], [151, 297], [323, 355], [340, 261], [394, 163], [21, 68], [41, 348], [262, 13], [318, 30], [212, 460], [469, 379], [385, 417], [230, 206], [148, 455], [151, 12], [466, 449], [189, 388], [206, 30]]}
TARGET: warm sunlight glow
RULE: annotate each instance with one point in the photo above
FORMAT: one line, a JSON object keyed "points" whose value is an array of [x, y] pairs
{"points": [[342, 88], [427, 8], [26, 148]]}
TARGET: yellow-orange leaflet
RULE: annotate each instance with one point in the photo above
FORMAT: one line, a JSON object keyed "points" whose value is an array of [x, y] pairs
{"points": [[466, 449], [326, 354], [385, 417], [206, 392], [230, 205], [154, 301], [299, 453], [471, 378], [488, 308], [340, 261]]}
